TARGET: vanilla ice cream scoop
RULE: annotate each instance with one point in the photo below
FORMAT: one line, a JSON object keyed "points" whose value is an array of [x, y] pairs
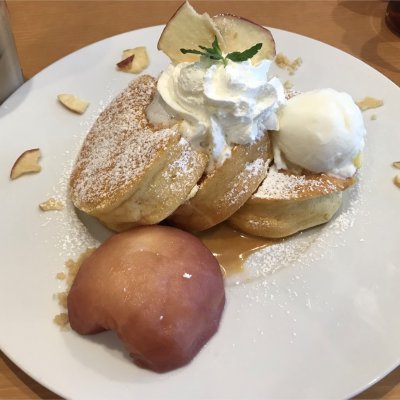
{"points": [[322, 131]]}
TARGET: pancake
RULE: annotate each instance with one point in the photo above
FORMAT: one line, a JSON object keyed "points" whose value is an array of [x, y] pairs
{"points": [[286, 203], [223, 191], [129, 172]]}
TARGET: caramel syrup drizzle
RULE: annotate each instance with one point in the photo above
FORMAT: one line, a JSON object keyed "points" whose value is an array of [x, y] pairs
{"points": [[232, 247]]}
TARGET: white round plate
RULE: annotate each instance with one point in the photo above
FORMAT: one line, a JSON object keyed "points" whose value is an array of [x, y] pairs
{"points": [[313, 317]]}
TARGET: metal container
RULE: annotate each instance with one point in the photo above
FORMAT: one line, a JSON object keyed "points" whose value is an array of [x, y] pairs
{"points": [[10, 71]]}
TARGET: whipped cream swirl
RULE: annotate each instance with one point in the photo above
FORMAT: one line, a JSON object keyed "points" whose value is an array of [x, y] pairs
{"points": [[220, 105]]}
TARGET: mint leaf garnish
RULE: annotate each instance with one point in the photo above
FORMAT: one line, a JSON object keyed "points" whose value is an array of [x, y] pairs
{"points": [[185, 51], [214, 53], [244, 55]]}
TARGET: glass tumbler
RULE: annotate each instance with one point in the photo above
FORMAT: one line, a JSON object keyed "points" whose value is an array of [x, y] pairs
{"points": [[10, 71], [393, 16]]}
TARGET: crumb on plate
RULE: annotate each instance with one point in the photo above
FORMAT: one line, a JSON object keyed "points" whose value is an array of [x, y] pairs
{"points": [[369, 102], [282, 61], [51, 205]]}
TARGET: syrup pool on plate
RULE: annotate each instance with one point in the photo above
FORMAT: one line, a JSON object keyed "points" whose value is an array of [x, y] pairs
{"points": [[231, 247]]}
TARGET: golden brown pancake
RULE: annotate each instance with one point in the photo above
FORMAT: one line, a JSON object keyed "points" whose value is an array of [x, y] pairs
{"points": [[128, 172], [286, 203], [223, 191]]}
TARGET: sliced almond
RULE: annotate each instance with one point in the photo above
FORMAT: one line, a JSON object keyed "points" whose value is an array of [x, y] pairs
{"points": [[26, 163], [73, 103], [51, 205], [134, 60], [396, 164], [397, 180]]}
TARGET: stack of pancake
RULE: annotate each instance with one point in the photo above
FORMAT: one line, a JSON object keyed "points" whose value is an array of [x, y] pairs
{"points": [[131, 173]]}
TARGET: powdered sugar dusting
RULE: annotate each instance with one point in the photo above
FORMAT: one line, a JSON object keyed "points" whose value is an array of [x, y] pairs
{"points": [[256, 166], [118, 148], [241, 186], [180, 167], [72, 237], [278, 185]]}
